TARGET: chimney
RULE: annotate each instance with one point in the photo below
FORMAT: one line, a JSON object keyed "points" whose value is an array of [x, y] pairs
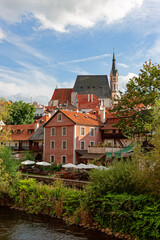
{"points": [[36, 126], [88, 97], [91, 97], [102, 114]]}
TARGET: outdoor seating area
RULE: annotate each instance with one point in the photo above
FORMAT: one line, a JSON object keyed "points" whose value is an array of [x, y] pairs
{"points": [[37, 168], [81, 176]]}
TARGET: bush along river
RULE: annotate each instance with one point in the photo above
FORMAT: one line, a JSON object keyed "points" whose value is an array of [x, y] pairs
{"points": [[17, 225]]}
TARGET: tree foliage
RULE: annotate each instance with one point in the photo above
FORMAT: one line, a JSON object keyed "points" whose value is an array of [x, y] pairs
{"points": [[21, 113], [4, 116], [134, 107], [4, 109]]}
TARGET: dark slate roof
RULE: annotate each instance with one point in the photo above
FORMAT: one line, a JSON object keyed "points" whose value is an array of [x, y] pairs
{"points": [[93, 84], [38, 135]]}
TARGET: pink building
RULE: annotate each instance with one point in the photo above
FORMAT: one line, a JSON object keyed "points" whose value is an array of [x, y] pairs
{"points": [[66, 132]]}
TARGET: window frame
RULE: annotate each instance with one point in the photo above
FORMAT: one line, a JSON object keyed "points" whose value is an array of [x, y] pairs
{"points": [[81, 132], [54, 131], [91, 144], [62, 131], [51, 144], [62, 144], [62, 159], [59, 115], [52, 155], [81, 145], [93, 131]]}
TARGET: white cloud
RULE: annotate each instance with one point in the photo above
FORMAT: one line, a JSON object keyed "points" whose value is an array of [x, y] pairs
{"points": [[17, 85], [154, 51], [58, 15], [124, 79], [2, 35], [123, 65], [92, 58]]}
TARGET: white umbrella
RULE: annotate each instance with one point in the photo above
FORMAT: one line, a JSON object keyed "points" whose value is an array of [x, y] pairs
{"points": [[45, 164], [90, 166], [28, 162], [69, 165], [81, 166], [103, 168]]}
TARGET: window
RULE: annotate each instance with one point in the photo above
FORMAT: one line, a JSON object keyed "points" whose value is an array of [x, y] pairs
{"points": [[64, 131], [53, 131], [92, 143], [92, 132], [63, 159], [64, 144], [16, 145], [59, 118], [52, 144], [82, 145], [52, 160], [82, 131], [30, 130], [18, 131]]}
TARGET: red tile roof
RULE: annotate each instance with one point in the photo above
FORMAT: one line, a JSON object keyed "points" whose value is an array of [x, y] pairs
{"points": [[82, 118], [62, 94], [83, 102], [110, 124], [25, 131]]}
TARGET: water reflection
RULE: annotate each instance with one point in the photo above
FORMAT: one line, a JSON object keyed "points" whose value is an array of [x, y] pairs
{"points": [[16, 225]]}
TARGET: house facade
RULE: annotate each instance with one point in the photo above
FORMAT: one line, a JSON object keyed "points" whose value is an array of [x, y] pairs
{"points": [[66, 132]]}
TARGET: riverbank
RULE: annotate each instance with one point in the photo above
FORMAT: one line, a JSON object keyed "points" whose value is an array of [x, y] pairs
{"points": [[19, 225], [114, 214]]}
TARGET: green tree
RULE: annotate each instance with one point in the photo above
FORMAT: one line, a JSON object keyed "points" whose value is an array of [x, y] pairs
{"points": [[21, 113], [148, 162], [134, 107]]}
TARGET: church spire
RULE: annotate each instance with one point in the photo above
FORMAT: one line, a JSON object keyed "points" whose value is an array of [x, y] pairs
{"points": [[114, 78], [114, 64]]}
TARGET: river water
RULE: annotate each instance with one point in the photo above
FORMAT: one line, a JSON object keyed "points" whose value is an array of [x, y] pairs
{"points": [[17, 225]]}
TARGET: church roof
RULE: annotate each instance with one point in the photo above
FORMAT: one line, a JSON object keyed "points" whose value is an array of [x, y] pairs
{"points": [[62, 94], [87, 101], [93, 84]]}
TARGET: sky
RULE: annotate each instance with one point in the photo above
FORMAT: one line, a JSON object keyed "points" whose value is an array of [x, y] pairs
{"points": [[45, 44]]}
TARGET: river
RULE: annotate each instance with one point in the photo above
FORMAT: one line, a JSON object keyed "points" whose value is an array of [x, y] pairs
{"points": [[17, 225]]}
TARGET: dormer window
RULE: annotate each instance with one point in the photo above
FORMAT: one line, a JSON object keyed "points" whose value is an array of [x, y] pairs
{"points": [[30, 130], [18, 131], [59, 118]]}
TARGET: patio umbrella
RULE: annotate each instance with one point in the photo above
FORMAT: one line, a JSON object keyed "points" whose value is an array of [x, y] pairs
{"points": [[90, 166], [69, 165], [103, 168], [81, 166], [45, 164], [28, 162]]}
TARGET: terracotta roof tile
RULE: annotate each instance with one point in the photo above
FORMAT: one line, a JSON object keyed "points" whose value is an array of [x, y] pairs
{"points": [[24, 132], [82, 118], [62, 94]]}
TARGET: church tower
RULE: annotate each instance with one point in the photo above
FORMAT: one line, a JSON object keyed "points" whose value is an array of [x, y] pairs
{"points": [[114, 78]]}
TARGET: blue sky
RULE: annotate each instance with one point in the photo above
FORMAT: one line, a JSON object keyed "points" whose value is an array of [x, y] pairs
{"points": [[47, 43]]}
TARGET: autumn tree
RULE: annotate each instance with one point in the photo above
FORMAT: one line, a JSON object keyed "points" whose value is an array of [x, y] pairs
{"points": [[135, 106], [4, 116]]}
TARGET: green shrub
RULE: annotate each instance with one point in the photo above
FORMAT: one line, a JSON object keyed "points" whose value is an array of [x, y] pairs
{"points": [[119, 178], [134, 215]]}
